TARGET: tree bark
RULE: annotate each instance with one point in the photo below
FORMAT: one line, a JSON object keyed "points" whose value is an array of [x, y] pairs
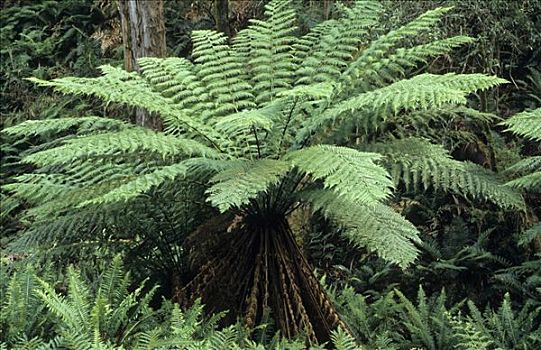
{"points": [[253, 267], [327, 6], [143, 35], [221, 9]]}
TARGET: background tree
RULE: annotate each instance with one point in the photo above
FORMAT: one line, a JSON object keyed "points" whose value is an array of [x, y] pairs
{"points": [[143, 35], [222, 17]]}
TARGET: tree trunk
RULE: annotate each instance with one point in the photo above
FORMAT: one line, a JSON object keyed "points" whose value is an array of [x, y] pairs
{"points": [[221, 9], [254, 268], [327, 6], [143, 35]]}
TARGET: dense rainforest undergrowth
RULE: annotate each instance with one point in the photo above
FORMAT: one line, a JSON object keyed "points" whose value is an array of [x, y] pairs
{"points": [[322, 175]]}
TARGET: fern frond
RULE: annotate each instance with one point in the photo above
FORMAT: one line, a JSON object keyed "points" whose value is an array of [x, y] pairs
{"points": [[244, 123], [526, 165], [72, 313], [381, 47], [530, 182], [220, 71], [55, 126], [526, 124], [468, 336], [417, 319], [327, 58], [21, 311], [243, 181], [54, 192], [422, 92], [506, 328], [349, 173], [175, 78], [530, 235], [376, 227], [394, 67], [114, 282], [270, 54], [223, 339], [417, 162], [428, 123], [117, 85], [140, 184], [248, 131], [343, 341], [131, 140]]}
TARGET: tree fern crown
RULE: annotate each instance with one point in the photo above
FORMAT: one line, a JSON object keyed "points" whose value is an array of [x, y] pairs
{"points": [[259, 124]]}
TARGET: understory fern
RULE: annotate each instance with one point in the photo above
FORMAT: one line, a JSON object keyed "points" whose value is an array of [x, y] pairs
{"points": [[111, 313], [506, 328], [36, 315], [260, 127], [528, 125]]}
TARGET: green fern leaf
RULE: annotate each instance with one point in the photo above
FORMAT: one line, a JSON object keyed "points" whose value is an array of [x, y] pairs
{"points": [[375, 227], [243, 181], [349, 173], [131, 140], [526, 124], [417, 162]]}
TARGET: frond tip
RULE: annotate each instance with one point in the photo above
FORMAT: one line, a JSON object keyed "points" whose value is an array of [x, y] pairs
{"points": [[376, 227], [526, 124]]}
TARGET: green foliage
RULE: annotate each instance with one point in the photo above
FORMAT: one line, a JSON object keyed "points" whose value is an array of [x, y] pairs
{"points": [[506, 328], [110, 314], [426, 165], [427, 322], [329, 122], [468, 336], [258, 116], [526, 124], [239, 184], [506, 44], [378, 228], [22, 311], [45, 39], [392, 321]]}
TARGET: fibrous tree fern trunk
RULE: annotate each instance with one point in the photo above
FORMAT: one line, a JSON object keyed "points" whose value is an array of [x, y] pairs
{"points": [[254, 267]]}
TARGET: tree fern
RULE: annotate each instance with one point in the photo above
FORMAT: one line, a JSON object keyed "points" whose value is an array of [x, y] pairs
{"points": [[528, 125], [418, 163], [250, 127]]}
